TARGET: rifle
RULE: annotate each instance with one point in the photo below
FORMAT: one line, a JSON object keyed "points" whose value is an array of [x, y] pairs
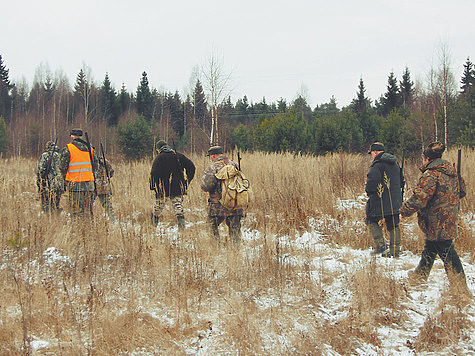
{"points": [[92, 160], [176, 156], [459, 164], [401, 174], [239, 161], [105, 166]]}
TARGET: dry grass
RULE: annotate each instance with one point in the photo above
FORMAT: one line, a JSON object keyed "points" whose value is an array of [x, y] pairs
{"points": [[129, 288]]}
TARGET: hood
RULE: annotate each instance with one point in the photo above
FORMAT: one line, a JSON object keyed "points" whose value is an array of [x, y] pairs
{"points": [[386, 158], [165, 149], [82, 145], [440, 165]]}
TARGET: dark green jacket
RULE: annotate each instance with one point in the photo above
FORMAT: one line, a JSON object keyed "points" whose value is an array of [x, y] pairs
{"points": [[383, 186]]}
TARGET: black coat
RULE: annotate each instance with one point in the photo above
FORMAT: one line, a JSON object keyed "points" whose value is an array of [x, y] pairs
{"points": [[376, 184], [167, 177]]}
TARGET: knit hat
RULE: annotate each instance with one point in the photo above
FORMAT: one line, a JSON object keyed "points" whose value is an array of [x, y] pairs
{"points": [[160, 144], [377, 146], [76, 132], [215, 150], [434, 150]]}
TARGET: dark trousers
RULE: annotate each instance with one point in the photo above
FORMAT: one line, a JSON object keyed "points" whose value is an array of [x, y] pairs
{"points": [[392, 221], [446, 250], [233, 222]]}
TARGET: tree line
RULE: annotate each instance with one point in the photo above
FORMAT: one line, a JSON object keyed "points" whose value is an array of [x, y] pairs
{"points": [[406, 116]]}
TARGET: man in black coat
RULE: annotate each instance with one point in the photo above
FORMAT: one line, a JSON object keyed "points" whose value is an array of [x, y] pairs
{"points": [[171, 174], [383, 187]]}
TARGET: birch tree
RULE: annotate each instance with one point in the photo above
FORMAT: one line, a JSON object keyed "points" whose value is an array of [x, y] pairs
{"points": [[217, 84]]}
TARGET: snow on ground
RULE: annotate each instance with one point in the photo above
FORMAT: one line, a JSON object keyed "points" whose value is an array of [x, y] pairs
{"points": [[422, 303]]}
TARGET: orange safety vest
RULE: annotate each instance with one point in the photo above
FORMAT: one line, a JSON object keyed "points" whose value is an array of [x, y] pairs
{"points": [[80, 167]]}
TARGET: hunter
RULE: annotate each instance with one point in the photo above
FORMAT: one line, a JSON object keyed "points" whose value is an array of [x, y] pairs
{"points": [[436, 199], [78, 172], [383, 187], [171, 174], [217, 213], [48, 178]]}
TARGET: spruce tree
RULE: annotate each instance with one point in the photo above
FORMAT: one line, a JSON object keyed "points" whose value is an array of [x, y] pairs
{"points": [[406, 89], [390, 100], [468, 77], [108, 102], [361, 104], [124, 100], [144, 100], [5, 87], [200, 111]]}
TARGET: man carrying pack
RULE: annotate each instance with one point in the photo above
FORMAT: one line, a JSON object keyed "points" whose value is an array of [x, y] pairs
{"points": [[436, 199], [168, 180], [48, 178], [103, 185], [217, 213], [383, 187], [78, 172]]}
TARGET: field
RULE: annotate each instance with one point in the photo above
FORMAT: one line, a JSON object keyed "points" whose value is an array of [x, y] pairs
{"points": [[302, 280]]}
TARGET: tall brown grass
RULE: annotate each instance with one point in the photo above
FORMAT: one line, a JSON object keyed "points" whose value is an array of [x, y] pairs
{"points": [[128, 287]]}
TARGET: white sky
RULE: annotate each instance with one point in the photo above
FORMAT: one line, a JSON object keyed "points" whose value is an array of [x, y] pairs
{"points": [[272, 48]]}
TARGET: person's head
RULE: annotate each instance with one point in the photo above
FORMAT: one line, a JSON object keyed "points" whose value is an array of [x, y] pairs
{"points": [[433, 151], [160, 144], [375, 149], [75, 133], [215, 151], [49, 145]]}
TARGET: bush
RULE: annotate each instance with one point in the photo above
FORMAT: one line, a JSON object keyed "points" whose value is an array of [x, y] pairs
{"points": [[135, 139]]}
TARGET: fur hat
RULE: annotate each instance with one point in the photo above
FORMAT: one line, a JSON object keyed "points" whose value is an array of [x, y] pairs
{"points": [[160, 144], [76, 132], [434, 150], [215, 150]]}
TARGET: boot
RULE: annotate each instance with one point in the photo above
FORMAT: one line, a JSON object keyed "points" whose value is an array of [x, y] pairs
{"points": [[154, 219], [378, 237], [394, 243], [181, 222]]}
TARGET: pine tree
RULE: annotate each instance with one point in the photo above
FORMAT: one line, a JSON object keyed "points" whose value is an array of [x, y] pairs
{"points": [[468, 77], [407, 89], [144, 100], [5, 87]]}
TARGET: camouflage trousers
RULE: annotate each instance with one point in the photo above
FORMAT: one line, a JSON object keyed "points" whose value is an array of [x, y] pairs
{"points": [[106, 203], [50, 199], [234, 225], [177, 203], [80, 203]]}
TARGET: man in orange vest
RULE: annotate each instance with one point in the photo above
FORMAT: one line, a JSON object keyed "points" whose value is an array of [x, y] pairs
{"points": [[78, 172]]}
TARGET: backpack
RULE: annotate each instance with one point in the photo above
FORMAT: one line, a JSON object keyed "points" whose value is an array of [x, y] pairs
{"points": [[235, 188]]}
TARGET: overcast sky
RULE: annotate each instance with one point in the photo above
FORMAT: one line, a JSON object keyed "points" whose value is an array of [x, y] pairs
{"points": [[273, 49]]}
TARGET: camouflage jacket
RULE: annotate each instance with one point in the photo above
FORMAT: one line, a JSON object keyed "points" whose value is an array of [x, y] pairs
{"points": [[53, 179], [436, 200], [102, 181], [210, 184], [64, 166]]}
